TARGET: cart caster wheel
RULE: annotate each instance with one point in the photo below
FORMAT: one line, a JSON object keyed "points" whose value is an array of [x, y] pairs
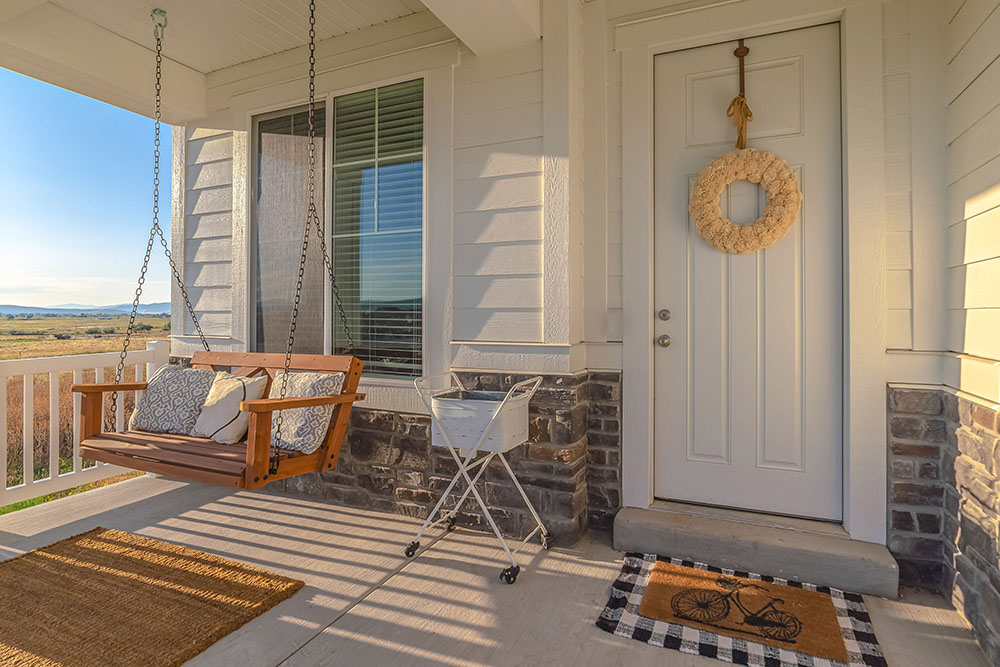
{"points": [[411, 549], [546, 542], [509, 574], [449, 525]]}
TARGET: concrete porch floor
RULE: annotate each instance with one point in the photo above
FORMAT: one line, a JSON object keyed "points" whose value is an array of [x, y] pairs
{"points": [[365, 603]]}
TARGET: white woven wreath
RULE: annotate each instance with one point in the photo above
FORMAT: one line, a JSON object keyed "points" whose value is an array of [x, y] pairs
{"points": [[763, 167]]}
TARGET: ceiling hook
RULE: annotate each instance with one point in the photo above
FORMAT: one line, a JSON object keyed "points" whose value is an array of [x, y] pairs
{"points": [[159, 17]]}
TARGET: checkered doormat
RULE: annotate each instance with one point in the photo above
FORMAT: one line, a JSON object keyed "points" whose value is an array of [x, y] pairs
{"points": [[621, 617]]}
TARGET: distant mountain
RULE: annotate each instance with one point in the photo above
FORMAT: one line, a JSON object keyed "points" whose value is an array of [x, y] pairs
{"points": [[161, 308]]}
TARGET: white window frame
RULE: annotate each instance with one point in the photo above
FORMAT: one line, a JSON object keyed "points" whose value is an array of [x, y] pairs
{"points": [[395, 394]]}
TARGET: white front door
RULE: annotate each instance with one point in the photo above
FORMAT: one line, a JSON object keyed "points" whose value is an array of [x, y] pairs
{"points": [[748, 395]]}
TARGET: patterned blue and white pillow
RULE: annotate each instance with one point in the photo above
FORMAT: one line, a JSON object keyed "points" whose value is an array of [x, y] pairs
{"points": [[304, 429], [172, 401]]}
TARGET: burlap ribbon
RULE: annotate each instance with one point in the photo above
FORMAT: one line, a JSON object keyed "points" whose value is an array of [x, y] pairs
{"points": [[740, 112]]}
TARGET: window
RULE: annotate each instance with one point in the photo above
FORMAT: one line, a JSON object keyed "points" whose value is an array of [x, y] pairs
{"points": [[281, 200], [376, 229]]}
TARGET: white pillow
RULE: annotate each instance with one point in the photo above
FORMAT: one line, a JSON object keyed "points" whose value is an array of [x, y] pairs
{"points": [[172, 400], [304, 429], [221, 418]]}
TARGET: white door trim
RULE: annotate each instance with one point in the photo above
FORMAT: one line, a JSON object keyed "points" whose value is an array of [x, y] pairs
{"points": [[864, 230]]}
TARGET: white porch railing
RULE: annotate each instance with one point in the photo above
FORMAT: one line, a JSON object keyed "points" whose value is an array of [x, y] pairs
{"points": [[145, 362]]}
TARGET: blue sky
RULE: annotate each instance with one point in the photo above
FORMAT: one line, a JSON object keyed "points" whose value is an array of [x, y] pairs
{"points": [[75, 198]]}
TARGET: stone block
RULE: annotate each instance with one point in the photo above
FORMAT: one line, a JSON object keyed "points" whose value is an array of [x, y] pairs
{"points": [[373, 420], [916, 547], [977, 535], [605, 410], [605, 392], [920, 451], [371, 447], [379, 485], [929, 524], [411, 478], [984, 417], [597, 457], [949, 407], [903, 469], [976, 481], [414, 426], [915, 401], [928, 429], [921, 573], [417, 495], [928, 470], [602, 476], [907, 493], [558, 453], [902, 520], [606, 440], [972, 445]]}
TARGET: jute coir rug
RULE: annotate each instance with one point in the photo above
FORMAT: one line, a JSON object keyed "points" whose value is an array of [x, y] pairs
{"points": [[112, 599], [738, 617]]}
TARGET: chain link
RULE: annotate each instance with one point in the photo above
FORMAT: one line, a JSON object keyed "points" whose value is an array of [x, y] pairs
{"points": [[159, 25]]}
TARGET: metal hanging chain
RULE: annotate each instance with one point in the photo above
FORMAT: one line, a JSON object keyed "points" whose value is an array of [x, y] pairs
{"points": [[159, 18], [312, 218]]}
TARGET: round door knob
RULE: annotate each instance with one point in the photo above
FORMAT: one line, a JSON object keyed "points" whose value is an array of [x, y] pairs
{"points": [[663, 340]]}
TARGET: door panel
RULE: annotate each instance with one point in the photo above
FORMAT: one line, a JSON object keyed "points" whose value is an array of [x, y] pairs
{"points": [[748, 408]]}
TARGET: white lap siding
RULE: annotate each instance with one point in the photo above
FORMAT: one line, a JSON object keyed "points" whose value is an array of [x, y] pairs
{"points": [[973, 94], [498, 197], [207, 239]]}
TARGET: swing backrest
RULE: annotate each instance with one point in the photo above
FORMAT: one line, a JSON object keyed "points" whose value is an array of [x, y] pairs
{"points": [[253, 364]]}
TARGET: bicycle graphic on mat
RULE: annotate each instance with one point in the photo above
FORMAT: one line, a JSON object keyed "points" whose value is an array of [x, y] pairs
{"points": [[710, 607]]}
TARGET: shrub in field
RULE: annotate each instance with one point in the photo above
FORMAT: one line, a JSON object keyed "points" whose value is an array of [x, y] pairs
{"points": [[93, 330], [142, 326], [108, 330]]}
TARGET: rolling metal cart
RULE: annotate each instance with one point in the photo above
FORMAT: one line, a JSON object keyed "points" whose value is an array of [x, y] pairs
{"points": [[470, 422]]}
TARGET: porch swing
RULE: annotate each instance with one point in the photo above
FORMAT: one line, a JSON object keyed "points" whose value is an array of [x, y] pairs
{"points": [[259, 459]]}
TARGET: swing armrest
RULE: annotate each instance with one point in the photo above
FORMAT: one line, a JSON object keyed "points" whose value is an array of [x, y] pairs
{"points": [[274, 404], [103, 387]]}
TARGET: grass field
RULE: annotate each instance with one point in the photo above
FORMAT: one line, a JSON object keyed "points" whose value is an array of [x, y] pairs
{"points": [[22, 337]]}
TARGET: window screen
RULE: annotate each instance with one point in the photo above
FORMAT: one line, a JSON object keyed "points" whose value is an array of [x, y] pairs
{"points": [[377, 230], [279, 212]]}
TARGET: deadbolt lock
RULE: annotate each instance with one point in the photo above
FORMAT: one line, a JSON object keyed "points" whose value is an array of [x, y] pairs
{"points": [[664, 314]]}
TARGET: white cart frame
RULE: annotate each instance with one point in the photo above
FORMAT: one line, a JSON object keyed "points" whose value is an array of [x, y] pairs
{"points": [[494, 439]]}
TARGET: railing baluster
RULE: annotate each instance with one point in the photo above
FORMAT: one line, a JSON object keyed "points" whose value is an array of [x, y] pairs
{"points": [[53, 424], [3, 432], [77, 404], [28, 430], [155, 354]]}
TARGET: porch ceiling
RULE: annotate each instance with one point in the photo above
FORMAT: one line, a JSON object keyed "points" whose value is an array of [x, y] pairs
{"points": [[208, 36], [103, 48]]}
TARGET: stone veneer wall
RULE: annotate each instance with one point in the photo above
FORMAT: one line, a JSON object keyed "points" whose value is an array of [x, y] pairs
{"points": [[944, 501], [387, 462], [604, 446]]}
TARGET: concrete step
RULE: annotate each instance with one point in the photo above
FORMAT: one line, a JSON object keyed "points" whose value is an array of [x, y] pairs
{"points": [[799, 549]]}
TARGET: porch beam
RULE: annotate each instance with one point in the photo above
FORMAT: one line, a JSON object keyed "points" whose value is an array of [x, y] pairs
{"points": [[49, 43], [490, 27]]}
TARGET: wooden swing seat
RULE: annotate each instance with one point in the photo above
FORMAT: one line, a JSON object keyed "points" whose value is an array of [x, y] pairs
{"points": [[243, 465]]}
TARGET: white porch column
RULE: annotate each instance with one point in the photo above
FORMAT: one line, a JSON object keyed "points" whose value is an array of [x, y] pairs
{"points": [[562, 127]]}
